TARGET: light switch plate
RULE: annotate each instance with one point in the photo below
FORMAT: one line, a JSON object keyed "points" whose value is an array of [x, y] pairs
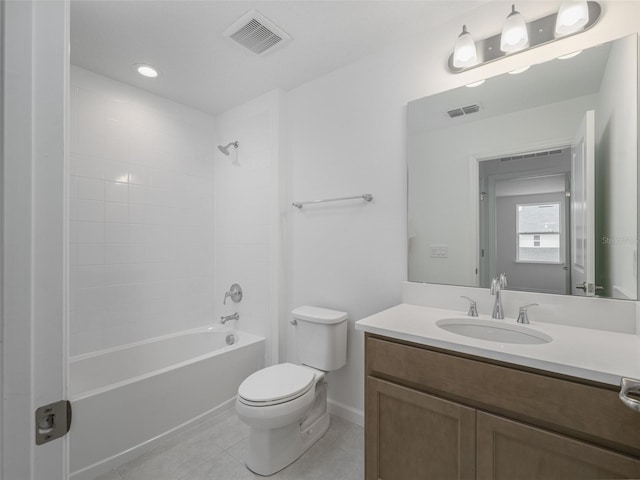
{"points": [[439, 251]]}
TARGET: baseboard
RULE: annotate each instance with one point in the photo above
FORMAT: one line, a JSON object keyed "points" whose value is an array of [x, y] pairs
{"points": [[93, 471], [346, 412]]}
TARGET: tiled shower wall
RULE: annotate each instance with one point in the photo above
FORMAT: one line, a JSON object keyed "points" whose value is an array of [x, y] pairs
{"points": [[141, 215]]}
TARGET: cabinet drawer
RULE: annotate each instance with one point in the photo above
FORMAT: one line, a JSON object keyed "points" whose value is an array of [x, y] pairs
{"points": [[585, 411]]}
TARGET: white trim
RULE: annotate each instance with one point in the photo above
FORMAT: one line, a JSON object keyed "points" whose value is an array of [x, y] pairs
{"points": [[474, 205], [35, 110], [2, 69], [345, 412]]}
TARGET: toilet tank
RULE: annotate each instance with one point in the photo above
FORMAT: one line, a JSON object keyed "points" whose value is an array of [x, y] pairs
{"points": [[321, 336]]}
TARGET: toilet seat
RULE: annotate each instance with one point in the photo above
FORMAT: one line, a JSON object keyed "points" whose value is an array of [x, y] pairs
{"points": [[275, 385]]}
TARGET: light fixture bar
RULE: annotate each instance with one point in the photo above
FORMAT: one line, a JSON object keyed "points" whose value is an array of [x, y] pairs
{"points": [[541, 32]]}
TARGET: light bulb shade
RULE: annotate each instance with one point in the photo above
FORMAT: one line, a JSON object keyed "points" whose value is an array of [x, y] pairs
{"points": [[572, 17], [514, 33], [464, 51]]}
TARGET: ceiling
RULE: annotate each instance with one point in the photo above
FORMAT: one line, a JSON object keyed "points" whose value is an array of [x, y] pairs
{"points": [[201, 68]]}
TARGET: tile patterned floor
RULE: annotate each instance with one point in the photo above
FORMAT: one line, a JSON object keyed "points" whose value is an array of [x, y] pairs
{"points": [[214, 450]]}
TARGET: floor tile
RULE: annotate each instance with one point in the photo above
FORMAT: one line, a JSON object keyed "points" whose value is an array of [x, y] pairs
{"points": [[110, 475], [215, 448]]}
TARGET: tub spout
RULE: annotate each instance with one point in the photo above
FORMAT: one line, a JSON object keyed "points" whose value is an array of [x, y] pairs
{"points": [[225, 318]]}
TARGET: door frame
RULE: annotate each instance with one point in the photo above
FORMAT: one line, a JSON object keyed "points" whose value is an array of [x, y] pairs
{"points": [[35, 81], [473, 172]]}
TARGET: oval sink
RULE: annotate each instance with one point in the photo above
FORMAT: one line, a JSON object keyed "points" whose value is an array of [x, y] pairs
{"points": [[493, 331]]}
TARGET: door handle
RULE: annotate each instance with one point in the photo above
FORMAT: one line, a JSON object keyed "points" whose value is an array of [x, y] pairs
{"points": [[589, 287], [629, 385]]}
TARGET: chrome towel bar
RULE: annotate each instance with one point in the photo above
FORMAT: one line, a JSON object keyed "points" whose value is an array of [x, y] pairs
{"points": [[367, 196]]}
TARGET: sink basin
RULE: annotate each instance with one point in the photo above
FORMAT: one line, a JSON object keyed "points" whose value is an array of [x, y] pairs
{"points": [[493, 331]]}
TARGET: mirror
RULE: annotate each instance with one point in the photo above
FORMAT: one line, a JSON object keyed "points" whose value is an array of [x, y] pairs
{"points": [[532, 174]]}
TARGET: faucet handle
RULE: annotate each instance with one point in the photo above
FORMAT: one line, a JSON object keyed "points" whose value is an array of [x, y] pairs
{"points": [[473, 306], [522, 313], [235, 293]]}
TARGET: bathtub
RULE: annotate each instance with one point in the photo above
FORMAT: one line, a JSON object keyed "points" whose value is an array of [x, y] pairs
{"points": [[126, 399]]}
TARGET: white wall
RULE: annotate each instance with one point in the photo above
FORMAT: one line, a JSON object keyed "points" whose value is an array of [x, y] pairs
{"points": [[141, 210], [617, 180], [247, 219], [348, 136]]}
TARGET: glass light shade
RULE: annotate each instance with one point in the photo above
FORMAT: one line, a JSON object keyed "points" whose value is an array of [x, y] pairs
{"points": [[572, 17], [464, 52], [514, 33]]}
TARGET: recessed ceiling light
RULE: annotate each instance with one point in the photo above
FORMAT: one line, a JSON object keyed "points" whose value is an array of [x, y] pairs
{"points": [[475, 84], [147, 71], [570, 55]]}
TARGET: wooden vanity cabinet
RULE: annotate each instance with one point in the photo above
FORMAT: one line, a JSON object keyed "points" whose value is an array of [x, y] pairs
{"points": [[433, 414]]}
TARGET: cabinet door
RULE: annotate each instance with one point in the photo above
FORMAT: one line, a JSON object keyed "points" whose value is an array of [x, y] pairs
{"points": [[411, 435], [510, 450]]}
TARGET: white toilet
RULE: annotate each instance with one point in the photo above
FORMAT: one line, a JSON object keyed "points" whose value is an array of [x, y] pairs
{"points": [[285, 405]]}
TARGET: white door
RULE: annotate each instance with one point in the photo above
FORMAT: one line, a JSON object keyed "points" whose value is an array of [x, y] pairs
{"points": [[540, 265], [583, 208], [34, 71]]}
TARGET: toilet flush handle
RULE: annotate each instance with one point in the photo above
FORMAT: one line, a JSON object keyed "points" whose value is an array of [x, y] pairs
{"points": [[294, 322]]}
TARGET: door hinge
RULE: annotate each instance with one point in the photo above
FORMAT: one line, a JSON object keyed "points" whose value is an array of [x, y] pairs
{"points": [[52, 421]]}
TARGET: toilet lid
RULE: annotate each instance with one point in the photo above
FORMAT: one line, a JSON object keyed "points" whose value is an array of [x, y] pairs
{"points": [[276, 383]]}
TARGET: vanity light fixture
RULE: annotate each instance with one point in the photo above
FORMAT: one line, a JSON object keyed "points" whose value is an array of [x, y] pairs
{"points": [[572, 17], [514, 33], [147, 70], [464, 52], [518, 36]]}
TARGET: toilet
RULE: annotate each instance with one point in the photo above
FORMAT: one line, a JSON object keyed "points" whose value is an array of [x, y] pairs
{"points": [[285, 405]]}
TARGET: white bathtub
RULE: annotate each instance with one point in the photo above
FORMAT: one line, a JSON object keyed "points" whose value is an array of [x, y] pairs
{"points": [[125, 399]]}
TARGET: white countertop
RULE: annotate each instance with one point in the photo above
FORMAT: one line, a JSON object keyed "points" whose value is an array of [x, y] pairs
{"points": [[585, 353]]}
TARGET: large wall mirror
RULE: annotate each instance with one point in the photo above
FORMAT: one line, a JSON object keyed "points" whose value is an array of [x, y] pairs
{"points": [[533, 174]]}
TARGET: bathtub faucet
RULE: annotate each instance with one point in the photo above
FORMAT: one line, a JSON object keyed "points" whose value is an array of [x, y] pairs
{"points": [[225, 318]]}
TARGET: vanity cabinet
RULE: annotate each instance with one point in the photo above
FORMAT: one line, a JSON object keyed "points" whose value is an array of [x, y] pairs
{"points": [[404, 421], [433, 413]]}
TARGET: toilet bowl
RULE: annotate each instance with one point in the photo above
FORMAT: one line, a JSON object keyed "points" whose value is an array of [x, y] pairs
{"points": [[286, 418], [285, 405]]}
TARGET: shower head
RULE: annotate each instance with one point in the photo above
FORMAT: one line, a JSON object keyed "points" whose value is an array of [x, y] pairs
{"points": [[225, 149]]}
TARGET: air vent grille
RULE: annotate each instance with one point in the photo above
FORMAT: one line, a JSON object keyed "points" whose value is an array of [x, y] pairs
{"points": [[256, 33], [469, 109], [544, 153]]}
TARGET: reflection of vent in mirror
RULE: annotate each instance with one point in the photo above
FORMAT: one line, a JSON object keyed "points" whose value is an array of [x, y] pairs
{"points": [[257, 33], [458, 112], [528, 156]]}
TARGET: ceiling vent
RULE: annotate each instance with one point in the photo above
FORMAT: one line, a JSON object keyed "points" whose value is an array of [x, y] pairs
{"points": [[469, 109], [256, 33]]}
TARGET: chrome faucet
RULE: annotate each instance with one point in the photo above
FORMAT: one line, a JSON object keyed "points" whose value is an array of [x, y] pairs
{"points": [[473, 307], [522, 313], [497, 284], [225, 318]]}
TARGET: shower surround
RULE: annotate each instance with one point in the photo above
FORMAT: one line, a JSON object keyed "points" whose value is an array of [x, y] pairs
{"points": [[141, 215]]}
